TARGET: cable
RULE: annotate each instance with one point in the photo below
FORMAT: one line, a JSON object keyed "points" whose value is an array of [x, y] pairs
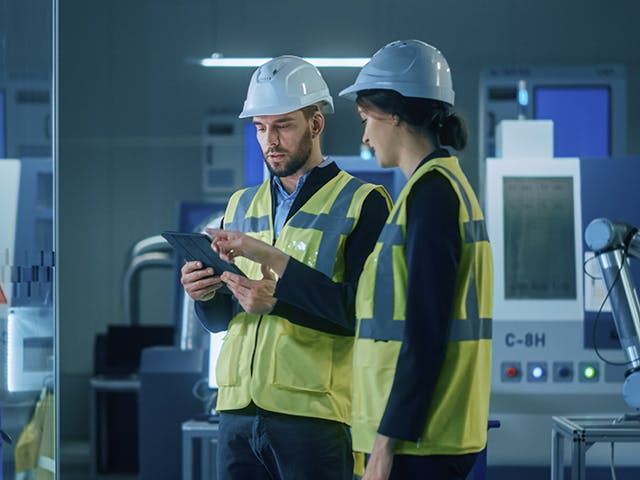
{"points": [[584, 268]]}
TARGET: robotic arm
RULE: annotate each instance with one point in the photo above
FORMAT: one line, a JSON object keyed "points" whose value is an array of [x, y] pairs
{"points": [[612, 242]]}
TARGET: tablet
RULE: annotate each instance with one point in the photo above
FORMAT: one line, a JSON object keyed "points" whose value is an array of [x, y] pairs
{"points": [[197, 247]]}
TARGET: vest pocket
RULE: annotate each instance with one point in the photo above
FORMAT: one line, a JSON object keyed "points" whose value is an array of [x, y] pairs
{"points": [[229, 361], [303, 363]]}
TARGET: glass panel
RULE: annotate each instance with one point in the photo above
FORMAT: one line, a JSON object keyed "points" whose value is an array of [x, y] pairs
{"points": [[27, 303]]}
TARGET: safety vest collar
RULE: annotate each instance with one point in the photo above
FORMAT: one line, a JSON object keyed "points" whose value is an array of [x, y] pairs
{"points": [[250, 224]]}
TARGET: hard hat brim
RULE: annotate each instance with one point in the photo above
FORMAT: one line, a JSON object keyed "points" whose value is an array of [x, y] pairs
{"points": [[408, 90], [326, 107]]}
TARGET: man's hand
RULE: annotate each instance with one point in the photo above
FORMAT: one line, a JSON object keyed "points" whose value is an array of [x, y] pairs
{"points": [[199, 283], [381, 459], [255, 296]]}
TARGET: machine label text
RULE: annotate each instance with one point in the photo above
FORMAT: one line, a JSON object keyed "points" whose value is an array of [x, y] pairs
{"points": [[528, 340]]}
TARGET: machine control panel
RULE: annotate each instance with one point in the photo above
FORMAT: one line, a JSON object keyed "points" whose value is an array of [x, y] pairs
{"points": [[563, 372], [550, 357]]}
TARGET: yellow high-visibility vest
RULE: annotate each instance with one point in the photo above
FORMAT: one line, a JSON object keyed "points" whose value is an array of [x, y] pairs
{"points": [[457, 416], [281, 366]]}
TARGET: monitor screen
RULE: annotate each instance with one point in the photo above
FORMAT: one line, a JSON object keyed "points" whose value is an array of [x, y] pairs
{"points": [[254, 169], [539, 244], [581, 117]]}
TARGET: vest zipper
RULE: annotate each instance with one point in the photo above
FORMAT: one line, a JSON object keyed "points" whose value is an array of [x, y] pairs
{"points": [[255, 346], [255, 343]]}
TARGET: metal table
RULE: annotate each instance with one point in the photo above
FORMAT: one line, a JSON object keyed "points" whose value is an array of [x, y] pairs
{"points": [[584, 432], [207, 433]]}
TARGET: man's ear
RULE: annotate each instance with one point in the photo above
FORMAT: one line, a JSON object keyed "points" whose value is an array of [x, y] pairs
{"points": [[317, 124]]}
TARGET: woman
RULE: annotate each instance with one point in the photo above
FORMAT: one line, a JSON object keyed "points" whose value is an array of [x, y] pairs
{"points": [[423, 350]]}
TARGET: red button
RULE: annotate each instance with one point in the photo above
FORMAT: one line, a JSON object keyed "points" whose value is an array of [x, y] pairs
{"points": [[512, 372]]}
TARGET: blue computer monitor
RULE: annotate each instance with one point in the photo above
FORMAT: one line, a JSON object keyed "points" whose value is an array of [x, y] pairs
{"points": [[253, 158], [3, 151], [581, 117]]}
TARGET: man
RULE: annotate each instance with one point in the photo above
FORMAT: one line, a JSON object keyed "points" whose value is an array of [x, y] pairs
{"points": [[284, 371]]}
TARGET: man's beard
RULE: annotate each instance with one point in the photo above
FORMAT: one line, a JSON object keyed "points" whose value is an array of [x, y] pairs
{"points": [[297, 159]]}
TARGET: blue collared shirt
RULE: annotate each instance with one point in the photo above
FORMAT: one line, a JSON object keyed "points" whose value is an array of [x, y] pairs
{"points": [[284, 200]]}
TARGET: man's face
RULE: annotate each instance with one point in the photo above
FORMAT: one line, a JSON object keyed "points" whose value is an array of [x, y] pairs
{"points": [[285, 141]]}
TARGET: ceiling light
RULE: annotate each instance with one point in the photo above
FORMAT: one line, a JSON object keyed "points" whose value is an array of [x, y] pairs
{"points": [[217, 60]]}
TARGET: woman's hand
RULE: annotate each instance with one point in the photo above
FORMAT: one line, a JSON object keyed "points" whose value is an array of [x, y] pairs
{"points": [[381, 459], [231, 244]]}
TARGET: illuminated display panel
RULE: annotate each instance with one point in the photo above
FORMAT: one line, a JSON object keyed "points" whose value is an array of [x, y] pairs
{"points": [[534, 220], [539, 238]]}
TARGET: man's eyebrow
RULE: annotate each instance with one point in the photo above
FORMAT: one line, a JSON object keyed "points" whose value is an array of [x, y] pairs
{"points": [[284, 120], [278, 121]]}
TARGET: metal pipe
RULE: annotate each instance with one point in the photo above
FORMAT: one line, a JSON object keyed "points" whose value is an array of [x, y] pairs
{"points": [[132, 280]]}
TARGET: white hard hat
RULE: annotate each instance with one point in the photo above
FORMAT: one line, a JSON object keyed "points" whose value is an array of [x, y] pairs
{"points": [[285, 84], [410, 67]]}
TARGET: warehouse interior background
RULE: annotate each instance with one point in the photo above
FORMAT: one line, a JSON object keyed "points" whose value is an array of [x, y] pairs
{"points": [[132, 105]]}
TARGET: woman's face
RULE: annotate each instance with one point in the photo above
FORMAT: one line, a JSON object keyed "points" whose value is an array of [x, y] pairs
{"points": [[380, 134]]}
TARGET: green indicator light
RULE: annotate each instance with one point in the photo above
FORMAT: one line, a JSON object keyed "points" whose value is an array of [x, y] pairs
{"points": [[589, 372]]}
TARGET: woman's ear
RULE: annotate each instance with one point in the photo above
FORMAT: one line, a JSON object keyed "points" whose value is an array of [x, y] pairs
{"points": [[395, 119]]}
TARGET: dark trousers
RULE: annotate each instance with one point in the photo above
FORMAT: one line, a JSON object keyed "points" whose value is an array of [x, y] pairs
{"points": [[268, 445], [432, 467]]}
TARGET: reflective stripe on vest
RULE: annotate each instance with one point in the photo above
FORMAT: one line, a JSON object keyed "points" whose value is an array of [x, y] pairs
{"points": [[247, 224], [326, 223], [323, 222], [383, 326]]}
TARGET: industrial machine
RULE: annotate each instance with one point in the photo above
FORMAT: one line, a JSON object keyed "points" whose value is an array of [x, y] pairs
{"points": [[550, 336], [231, 156], [588, 106], [552, 145]]}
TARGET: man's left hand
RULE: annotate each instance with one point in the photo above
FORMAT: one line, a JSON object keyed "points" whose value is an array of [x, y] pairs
{"points": [[255, 296]]}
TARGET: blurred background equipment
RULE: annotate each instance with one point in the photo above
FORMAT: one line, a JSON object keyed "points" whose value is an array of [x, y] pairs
{"points": [[587, 104], [550, 357], [26, 275]]}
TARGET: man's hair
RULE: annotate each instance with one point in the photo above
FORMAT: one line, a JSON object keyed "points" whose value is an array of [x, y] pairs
{"points": [[309, 110]]}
